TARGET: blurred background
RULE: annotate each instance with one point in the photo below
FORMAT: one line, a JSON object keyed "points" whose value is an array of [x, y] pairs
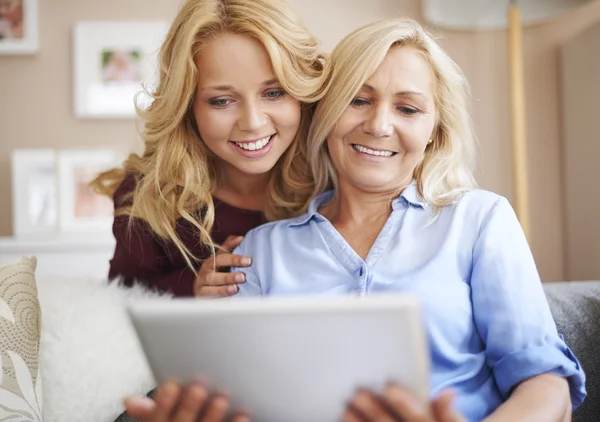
{"points": [[54, 97]]}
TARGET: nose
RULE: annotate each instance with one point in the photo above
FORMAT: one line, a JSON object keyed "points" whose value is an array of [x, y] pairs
{"points": [[378, 123], [252, 117]]}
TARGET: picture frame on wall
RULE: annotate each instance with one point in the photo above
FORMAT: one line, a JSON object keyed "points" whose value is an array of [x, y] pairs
{"points": [[114, 61], [81, 209], [19, 27], [34, 193]]}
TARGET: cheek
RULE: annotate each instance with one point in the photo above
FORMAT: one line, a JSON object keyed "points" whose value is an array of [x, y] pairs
{"points": [[415, 135], [213, 125], [286, 115]]}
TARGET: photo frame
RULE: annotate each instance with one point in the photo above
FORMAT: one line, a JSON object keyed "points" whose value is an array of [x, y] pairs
{"points": [[114, 61], [81, 210], [19, 26], [34, 192]]}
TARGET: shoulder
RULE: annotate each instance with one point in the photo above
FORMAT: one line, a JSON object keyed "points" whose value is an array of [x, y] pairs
{"points": [[124, 193], [267, 230], [274, 235], [474, 210], [480, 202]]}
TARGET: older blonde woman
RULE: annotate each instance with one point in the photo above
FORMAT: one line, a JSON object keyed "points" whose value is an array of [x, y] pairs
{"points": [[394, 136]]}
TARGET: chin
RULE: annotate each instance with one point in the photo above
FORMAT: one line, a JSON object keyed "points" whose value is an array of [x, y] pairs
{"points": [[256, 169]]}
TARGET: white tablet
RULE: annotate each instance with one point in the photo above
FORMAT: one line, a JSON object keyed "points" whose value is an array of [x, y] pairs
{"points": [[287, 359]]}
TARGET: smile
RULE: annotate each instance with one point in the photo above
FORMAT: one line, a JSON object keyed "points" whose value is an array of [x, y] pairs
{"points": [[254, 145], [375, 152]]}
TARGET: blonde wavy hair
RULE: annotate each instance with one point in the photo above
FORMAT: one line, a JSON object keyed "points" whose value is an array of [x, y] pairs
{"points": [[177, 173], [446, 170]]}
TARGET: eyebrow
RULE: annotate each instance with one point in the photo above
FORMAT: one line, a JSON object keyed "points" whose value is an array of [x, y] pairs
{"points": [[231, 88], [398, 94]]}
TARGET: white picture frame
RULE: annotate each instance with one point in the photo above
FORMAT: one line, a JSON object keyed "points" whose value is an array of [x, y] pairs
{"points": [[19, 32], [81, 210], [112, 62], [34, 193]]}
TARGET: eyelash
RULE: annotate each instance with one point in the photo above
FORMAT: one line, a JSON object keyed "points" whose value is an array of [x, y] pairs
{"points": [[216, 102], [407, 111]]}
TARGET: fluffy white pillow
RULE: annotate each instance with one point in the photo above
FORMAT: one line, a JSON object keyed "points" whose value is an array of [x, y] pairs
{"points": [[89, 354]]}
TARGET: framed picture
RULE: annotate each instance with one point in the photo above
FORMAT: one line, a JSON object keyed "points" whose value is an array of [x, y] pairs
{"points": [[113, 61], [80, 208], [18, 26], [34, 192]]}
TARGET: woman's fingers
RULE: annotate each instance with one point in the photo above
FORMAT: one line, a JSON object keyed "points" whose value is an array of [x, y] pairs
{"points": [[405, 405], [189, 408], [211, 281], [350, 416], [443, 408], [217, 409], [230, 260], [369, 408], [140, 407], [217, 291], [210, 277], [166, 398], [231, 243], [240, 417]]}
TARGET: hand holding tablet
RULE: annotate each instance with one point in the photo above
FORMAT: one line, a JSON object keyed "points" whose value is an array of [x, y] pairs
{"points": [[297, 359]]}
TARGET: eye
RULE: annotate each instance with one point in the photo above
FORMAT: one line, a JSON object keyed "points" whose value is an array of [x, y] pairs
{"points": [[359, 102], [219, 102], [407, 111], [275, 94]]}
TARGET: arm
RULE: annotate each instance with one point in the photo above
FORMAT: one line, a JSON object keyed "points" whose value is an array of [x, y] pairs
{"points": [[529, 359], [140, 257], [543, 398]]}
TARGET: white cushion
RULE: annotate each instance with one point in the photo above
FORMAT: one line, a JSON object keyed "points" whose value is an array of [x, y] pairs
{"points": [[89, 353]]}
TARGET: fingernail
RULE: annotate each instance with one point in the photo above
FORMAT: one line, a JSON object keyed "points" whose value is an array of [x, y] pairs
{"points": [[240, 278], [232, 289], [246, 260], [170, 389]]}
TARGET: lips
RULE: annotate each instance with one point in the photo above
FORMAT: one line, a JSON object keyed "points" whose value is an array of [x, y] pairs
{"points": [[254, 145], [374, 152]]}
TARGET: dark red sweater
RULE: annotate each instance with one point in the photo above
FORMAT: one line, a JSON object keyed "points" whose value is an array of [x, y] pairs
{"points": [[141, 256]]}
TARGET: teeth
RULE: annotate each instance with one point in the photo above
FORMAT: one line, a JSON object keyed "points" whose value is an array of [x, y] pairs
{"points": [[253, 146], [369, 151]]}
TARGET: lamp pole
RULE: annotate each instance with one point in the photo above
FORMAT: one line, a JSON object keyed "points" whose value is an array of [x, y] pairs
{"points": [[518, 115]]}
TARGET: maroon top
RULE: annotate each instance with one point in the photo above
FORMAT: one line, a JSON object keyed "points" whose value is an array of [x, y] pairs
{"points": [[141, 256]]}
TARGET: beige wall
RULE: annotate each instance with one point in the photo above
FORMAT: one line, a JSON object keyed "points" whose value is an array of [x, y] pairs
{"points": [[36, 97], [581, 150]]}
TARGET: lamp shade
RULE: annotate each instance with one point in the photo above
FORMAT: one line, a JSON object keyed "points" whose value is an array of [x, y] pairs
{"points": [[491, 14]]}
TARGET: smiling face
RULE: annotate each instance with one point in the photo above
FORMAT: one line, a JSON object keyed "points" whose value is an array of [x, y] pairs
{"points": [[382, 135], [243, 114]]}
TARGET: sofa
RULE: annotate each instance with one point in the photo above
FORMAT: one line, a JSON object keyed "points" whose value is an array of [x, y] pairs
{"points": [[576, 310], [80, 355]]}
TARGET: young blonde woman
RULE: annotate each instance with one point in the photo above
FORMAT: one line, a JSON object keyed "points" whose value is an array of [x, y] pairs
{"points": [[393, 134], [224, 145]]}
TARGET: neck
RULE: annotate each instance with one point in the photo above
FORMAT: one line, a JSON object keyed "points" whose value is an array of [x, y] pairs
{"points": [[357, 207], [243, 190]]}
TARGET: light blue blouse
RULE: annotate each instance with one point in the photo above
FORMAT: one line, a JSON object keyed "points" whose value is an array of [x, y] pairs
{"points": [[488, 322]]}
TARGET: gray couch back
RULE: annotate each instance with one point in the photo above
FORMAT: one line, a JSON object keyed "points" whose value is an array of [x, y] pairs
{"points": [[576, 310]]}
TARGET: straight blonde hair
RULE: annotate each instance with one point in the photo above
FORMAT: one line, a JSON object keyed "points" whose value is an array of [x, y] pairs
{"points": [[177, 173], [446, 170]]}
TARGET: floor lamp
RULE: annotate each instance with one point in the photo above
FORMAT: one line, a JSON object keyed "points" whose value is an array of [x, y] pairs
{"points": [[509, 15]]}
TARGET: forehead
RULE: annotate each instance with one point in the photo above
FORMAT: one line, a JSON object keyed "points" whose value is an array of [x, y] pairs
{"points": [[234, 59], [404, 69]]}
